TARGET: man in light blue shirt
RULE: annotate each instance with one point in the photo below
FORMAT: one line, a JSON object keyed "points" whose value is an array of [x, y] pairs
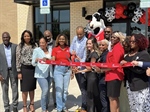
{"points": [[78, 48], [8, 54]]}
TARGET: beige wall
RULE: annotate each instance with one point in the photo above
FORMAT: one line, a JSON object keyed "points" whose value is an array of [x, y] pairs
{"points": [[76, 18], [25, 19], [8, 19], [15, 18]]}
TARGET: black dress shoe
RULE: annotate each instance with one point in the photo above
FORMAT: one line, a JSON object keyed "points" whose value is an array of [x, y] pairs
{"points": [[55, 105], [7, 110], [15, 110]]}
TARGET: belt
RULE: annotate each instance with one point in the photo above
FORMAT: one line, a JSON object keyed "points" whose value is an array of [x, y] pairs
{"points": [[9, 68]]}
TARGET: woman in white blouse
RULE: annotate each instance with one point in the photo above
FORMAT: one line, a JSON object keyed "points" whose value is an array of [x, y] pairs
{"points": [[42, 71]]}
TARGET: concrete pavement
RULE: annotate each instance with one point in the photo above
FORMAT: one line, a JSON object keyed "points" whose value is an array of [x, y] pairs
{"points": [[73, 102]]}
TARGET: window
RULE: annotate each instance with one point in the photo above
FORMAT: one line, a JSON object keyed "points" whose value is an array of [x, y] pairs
{"points": [[58, 21]]}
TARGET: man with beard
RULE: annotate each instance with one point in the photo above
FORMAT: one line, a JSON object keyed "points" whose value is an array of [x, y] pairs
{"points": [[8, 71], [51, 44], [49, 36], [107, 35]]}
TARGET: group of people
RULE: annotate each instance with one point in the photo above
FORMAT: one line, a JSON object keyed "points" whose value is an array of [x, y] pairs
{"points": [[100, 87]]}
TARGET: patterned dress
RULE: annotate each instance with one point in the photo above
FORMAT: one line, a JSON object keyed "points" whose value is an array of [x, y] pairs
{"points": [[137, 83], [24, 66]]}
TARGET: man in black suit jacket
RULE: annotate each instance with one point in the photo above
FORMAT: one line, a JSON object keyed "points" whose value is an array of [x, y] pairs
{"points": [[51, 45], [8, 71]]}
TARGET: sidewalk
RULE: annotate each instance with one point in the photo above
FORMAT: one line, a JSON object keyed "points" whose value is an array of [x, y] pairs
{"points": [[73, 102]]}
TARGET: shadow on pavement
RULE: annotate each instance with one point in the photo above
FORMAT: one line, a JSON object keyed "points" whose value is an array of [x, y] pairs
{"points": [[73, 101]]}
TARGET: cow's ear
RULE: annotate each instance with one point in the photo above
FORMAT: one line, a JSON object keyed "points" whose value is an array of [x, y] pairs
{"points": [[88, 17], [103, 24], [97, 16]]}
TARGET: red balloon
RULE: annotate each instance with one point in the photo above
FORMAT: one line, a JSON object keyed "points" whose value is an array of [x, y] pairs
{"points": [[118, 5], [149, 13], [123, 16], [125, 7], [117, 16], [142, 19], [119, 11]]}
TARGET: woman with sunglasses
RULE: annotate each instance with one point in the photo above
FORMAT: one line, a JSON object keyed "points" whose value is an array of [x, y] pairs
{"points": [[137, 80]]}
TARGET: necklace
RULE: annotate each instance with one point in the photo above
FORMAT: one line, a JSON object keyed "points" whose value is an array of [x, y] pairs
{"points": [[132, 53]]}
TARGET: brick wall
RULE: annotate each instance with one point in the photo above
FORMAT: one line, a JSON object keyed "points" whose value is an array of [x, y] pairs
{"points": [[8, 19], [76, 18], [15, 18], [25, 19]]}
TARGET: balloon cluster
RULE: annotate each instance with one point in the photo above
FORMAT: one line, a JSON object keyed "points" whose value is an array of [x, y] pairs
{"points": [[130, 11], [120, 11], [143, 17], [110, 14], [138, 12]]}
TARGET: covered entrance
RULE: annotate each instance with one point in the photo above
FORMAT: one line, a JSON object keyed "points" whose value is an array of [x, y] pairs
{"points": [[59, 20]]}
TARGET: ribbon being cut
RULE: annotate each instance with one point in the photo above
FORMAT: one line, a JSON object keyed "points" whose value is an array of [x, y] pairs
{"points": [[101, 65]]}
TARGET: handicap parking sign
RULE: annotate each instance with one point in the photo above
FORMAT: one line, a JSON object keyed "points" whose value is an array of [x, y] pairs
{"points": [[44, 2], [44, 6]]}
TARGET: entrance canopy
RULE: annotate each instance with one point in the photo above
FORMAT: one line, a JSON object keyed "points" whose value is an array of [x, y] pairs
{"points": [[37, 2]]}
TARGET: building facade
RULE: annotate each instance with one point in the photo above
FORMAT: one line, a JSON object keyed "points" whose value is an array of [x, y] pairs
{"points": [[16, 17], [19, 15]]}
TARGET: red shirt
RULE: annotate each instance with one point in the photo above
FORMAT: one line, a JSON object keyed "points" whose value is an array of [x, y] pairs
{"points": [[61, 54], [115, 56]]}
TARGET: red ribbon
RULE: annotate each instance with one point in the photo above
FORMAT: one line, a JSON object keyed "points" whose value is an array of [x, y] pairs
{"points": [[101, 65]]}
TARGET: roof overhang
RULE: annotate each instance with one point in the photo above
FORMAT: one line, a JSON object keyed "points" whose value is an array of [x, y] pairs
{"points": [[35, 2]]}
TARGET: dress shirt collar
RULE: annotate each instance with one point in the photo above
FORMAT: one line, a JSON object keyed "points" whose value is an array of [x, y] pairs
{"points": [[7, 47], [80, 40]]}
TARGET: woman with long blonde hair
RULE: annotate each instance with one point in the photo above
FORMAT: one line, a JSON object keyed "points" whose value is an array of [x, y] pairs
{"points": [[93, 100]]}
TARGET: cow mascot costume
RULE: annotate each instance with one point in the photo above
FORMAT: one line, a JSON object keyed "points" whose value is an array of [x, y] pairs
{"points": [[97, 25]]}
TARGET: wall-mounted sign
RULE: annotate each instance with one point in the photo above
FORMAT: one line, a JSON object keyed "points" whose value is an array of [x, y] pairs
{"points": [[144, 3], [44, 6]]}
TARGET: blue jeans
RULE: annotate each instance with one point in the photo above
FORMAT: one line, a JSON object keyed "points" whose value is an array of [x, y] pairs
{"points": [[45, 87], [62, 79]]}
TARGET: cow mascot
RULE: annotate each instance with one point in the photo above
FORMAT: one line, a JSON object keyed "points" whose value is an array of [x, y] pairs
{"points": [[97, 25]]}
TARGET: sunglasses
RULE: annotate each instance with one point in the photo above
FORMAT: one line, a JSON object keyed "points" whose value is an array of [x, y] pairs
{"points": [[107, 31], [132, 41], [48, 36]]}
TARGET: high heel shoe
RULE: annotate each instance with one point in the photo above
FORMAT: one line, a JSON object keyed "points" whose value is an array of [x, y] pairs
{"points": [[25, 108], [30, 108]]}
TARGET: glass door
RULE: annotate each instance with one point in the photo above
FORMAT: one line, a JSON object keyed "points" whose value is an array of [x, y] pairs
{"points": [[122, 27]]}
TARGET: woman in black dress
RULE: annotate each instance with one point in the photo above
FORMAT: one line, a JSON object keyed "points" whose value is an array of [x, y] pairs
{"points": [[25, 69], [103, 46], [93, 100]]}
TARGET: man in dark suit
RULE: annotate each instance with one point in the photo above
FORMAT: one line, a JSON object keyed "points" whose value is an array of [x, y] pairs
{"points": [[51, 44], [8, 71]]}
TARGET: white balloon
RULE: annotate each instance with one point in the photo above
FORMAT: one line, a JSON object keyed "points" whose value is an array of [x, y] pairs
{"points": [[138, 12], [135, 19]]}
